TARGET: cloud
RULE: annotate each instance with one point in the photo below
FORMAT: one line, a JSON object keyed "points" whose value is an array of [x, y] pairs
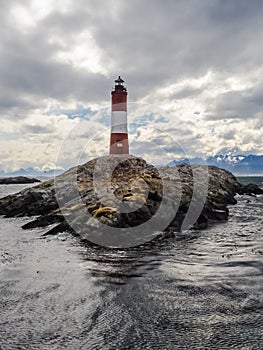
{"points": [[37, 129], [201, 62]]}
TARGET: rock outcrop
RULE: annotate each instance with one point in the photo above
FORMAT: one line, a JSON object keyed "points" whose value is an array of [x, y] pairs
{"points": [[125, 193], [250, 189], [17, 180]]}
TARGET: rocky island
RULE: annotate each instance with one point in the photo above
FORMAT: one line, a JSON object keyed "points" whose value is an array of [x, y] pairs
{"points": [[120, 192], [17, 180]]}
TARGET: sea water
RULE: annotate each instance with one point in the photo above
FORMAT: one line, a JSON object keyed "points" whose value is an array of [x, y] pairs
{"points": [[200, 290]]}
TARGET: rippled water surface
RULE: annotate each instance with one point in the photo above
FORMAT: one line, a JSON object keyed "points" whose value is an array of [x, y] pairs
{"points": [[200, 290]]}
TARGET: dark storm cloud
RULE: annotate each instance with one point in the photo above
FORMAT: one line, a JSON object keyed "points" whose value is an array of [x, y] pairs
{"points": [[27, 67], [153, 43], [9, 101], [156, 42], [235, 104], [51, 79], [257, 95]]}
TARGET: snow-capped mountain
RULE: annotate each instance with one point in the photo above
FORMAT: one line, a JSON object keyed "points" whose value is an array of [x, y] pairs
{"points": [[238, 164], [229, 156], [230, 159]]}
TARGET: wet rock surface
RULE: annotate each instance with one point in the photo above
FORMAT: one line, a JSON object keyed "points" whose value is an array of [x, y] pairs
{"points": [[251, 189], [17, 180], [120, 192]]}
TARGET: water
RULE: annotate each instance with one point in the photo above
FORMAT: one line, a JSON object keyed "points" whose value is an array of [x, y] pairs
{"points": [[201, 290], [245, 180]]}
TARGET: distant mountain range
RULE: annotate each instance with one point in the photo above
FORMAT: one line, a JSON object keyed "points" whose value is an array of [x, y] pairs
{"points": [[29, 172], [236, 163]]}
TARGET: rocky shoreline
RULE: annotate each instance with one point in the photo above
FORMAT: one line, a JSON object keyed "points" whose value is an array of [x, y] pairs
{"points": [[117, 192]]}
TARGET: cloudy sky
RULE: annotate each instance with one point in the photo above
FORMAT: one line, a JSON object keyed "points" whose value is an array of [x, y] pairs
{"points": [[193, 70]]}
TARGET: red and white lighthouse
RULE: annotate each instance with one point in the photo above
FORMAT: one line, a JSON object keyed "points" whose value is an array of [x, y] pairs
{"points": [[119, 143]]}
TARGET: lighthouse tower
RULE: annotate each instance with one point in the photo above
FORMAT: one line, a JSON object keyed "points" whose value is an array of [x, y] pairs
{"points": [[119, 143]]}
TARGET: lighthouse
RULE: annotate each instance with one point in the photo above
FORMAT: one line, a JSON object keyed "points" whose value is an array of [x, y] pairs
{"points": [[119, 143]]}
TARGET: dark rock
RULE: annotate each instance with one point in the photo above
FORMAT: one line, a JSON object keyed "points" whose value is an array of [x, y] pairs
{"points": [[44, 221], [17, 180], [250, 189], [155, 196]]}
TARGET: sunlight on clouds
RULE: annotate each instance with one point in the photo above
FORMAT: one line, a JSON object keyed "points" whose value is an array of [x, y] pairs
{"points": [[82, 54], [187, 96], [194, 83], [42, 8], [238, 84], [26, 17], [22, 18], [194, 99], [28, 144]]}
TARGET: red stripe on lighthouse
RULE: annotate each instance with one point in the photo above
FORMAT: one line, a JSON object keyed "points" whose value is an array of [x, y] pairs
{"points": [[119, 100]]}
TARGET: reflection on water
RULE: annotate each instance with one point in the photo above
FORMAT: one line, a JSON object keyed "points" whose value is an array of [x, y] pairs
{"points": [[118, 267], [200, 290]]}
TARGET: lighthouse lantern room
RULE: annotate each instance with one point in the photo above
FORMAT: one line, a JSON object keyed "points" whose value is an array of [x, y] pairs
{"points": [[119, 143]]}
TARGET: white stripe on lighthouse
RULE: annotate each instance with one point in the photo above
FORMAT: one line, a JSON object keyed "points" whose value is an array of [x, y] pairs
{"points": [[119, 122]]}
